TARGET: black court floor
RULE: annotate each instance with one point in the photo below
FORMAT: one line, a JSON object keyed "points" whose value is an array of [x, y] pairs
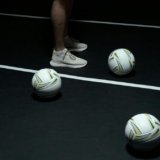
{"points": [[87, 120]]}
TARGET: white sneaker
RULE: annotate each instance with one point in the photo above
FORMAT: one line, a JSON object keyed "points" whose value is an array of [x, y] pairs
{"points": [[65, 58], [74, 45]]}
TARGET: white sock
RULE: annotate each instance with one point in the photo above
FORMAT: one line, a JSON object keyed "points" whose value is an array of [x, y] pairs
{"points": [[60, 52]]}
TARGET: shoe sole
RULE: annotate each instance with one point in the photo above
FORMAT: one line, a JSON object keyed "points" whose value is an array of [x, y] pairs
{"points": [[58, 64]]}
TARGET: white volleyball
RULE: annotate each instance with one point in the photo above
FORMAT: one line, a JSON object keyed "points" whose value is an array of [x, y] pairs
{"points": [[121, 61], [143, 131], [46, 83]]}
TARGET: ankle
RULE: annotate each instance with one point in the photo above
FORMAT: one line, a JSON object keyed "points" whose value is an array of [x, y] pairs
{"points": [[57, 49], [60, 52]]}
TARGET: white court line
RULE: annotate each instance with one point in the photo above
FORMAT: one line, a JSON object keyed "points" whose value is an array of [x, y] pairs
{"points": [[95, 80], [85, 21], [119, 24], [23, 16]]}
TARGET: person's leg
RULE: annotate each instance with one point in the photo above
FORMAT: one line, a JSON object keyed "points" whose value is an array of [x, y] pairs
{"points": [[60, 14], [58, 17], [71, 43], [61, 57], [69, 6]]}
